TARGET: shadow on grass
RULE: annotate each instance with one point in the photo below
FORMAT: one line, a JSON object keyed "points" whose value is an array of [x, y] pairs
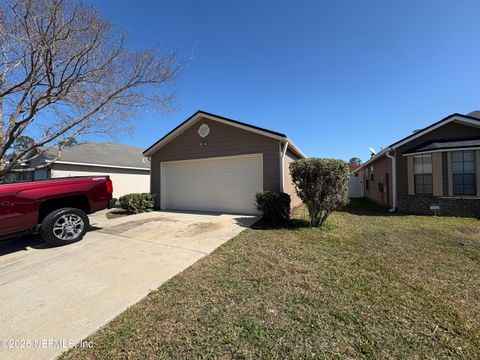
{"points": [[291, 224], [368, 208], [362, 207]]}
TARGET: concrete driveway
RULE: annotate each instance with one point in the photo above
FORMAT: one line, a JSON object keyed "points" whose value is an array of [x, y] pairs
{"points": [[52, 298]]}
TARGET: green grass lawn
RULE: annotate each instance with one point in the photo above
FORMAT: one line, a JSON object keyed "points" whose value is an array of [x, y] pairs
{"points": [[369, 284]]}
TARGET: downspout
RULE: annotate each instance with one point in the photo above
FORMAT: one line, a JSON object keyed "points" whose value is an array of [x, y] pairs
{"points": [[283, 151], [394, 179]]}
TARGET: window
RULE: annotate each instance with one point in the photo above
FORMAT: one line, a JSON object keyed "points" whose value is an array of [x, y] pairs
{"points": [[371, 173], [463, 172], [24, 176], [422, 169]]}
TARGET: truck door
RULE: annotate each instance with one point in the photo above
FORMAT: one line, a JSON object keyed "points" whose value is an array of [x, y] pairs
{"points": [[15, 214]]}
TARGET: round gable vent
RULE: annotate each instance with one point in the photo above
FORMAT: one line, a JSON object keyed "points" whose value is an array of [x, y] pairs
{"points": [[203, 130]]}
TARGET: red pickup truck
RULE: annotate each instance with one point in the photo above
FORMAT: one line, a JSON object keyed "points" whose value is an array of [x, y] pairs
{"points": [[57, 208]]}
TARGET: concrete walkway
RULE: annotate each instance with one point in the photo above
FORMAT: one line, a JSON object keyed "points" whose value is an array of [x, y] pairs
{"points": [[52, 298]]}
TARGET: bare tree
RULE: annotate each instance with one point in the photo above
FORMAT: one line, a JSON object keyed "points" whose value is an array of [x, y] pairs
{"points": [[66, 72]]}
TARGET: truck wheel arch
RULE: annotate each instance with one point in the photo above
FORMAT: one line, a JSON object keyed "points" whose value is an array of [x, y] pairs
{"points": [[78, 202]]}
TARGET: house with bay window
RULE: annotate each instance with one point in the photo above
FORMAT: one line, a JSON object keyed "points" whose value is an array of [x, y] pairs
{"points": [[435, 170]]}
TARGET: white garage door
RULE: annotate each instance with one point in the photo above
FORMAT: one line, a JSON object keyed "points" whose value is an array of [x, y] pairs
{"points": [[226, 184]]}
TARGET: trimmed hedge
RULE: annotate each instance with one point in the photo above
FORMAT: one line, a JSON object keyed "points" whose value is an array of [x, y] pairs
{"points": [[274, 206], [137, 203], [322, 184]]}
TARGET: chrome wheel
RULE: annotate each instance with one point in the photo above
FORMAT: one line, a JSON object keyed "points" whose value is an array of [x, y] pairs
{"points": [[68, 227]]}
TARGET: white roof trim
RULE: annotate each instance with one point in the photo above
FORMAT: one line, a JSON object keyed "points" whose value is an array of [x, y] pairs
{"points": [[200, 115], [297, 150], [372, 159], [97, 165], [442, 150], [240, 126], [457, 118]]}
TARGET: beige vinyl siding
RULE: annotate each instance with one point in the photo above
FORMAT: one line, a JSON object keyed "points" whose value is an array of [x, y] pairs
{"points": [[125, 181], [477, 165], [223, 140], [442, 176], [445, 173], [450, 175], [288, 186], [448, 131], [411, 176], [382, 168], [437, 176]]}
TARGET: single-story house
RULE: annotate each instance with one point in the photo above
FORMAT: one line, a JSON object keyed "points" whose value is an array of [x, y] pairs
{"points": [[435, 170], [211, 163], [126, 165]]}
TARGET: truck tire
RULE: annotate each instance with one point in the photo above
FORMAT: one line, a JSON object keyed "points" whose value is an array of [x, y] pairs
{"points": [[64, 226]]}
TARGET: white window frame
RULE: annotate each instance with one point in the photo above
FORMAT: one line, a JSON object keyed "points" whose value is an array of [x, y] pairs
{"points": [[463, 172], [423, 172]]}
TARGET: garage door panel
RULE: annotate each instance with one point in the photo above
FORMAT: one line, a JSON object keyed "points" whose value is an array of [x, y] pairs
{"points": [[225, 184]]}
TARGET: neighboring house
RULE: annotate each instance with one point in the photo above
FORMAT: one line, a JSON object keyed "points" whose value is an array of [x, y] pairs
{"points": [[434, 170], [126, 165], [211, 163]]}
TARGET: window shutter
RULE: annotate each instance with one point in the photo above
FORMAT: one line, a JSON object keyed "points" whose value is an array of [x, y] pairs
{"points": [[437, 177], [477, 157], [410, 174], [450, 177]]}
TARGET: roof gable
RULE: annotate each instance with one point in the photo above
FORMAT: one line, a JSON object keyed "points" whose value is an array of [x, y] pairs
{"points": [[462, 119], [444, 145], [453, 118], [238, 124]]}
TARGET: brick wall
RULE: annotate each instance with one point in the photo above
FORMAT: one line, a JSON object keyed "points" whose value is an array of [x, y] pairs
{"points": [[449, 206]]}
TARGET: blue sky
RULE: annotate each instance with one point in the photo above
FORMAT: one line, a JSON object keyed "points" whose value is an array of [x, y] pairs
{"points": [[336, 76]]}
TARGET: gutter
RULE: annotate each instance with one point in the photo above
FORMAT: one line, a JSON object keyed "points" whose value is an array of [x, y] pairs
{"points": [[294, 147], [372, 159], [394, 179], [283, 151], [96, 165]]}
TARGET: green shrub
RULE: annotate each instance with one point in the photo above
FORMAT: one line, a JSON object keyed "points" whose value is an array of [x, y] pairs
{"points": [[322, 184], [137, 203], [274, 206]]}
